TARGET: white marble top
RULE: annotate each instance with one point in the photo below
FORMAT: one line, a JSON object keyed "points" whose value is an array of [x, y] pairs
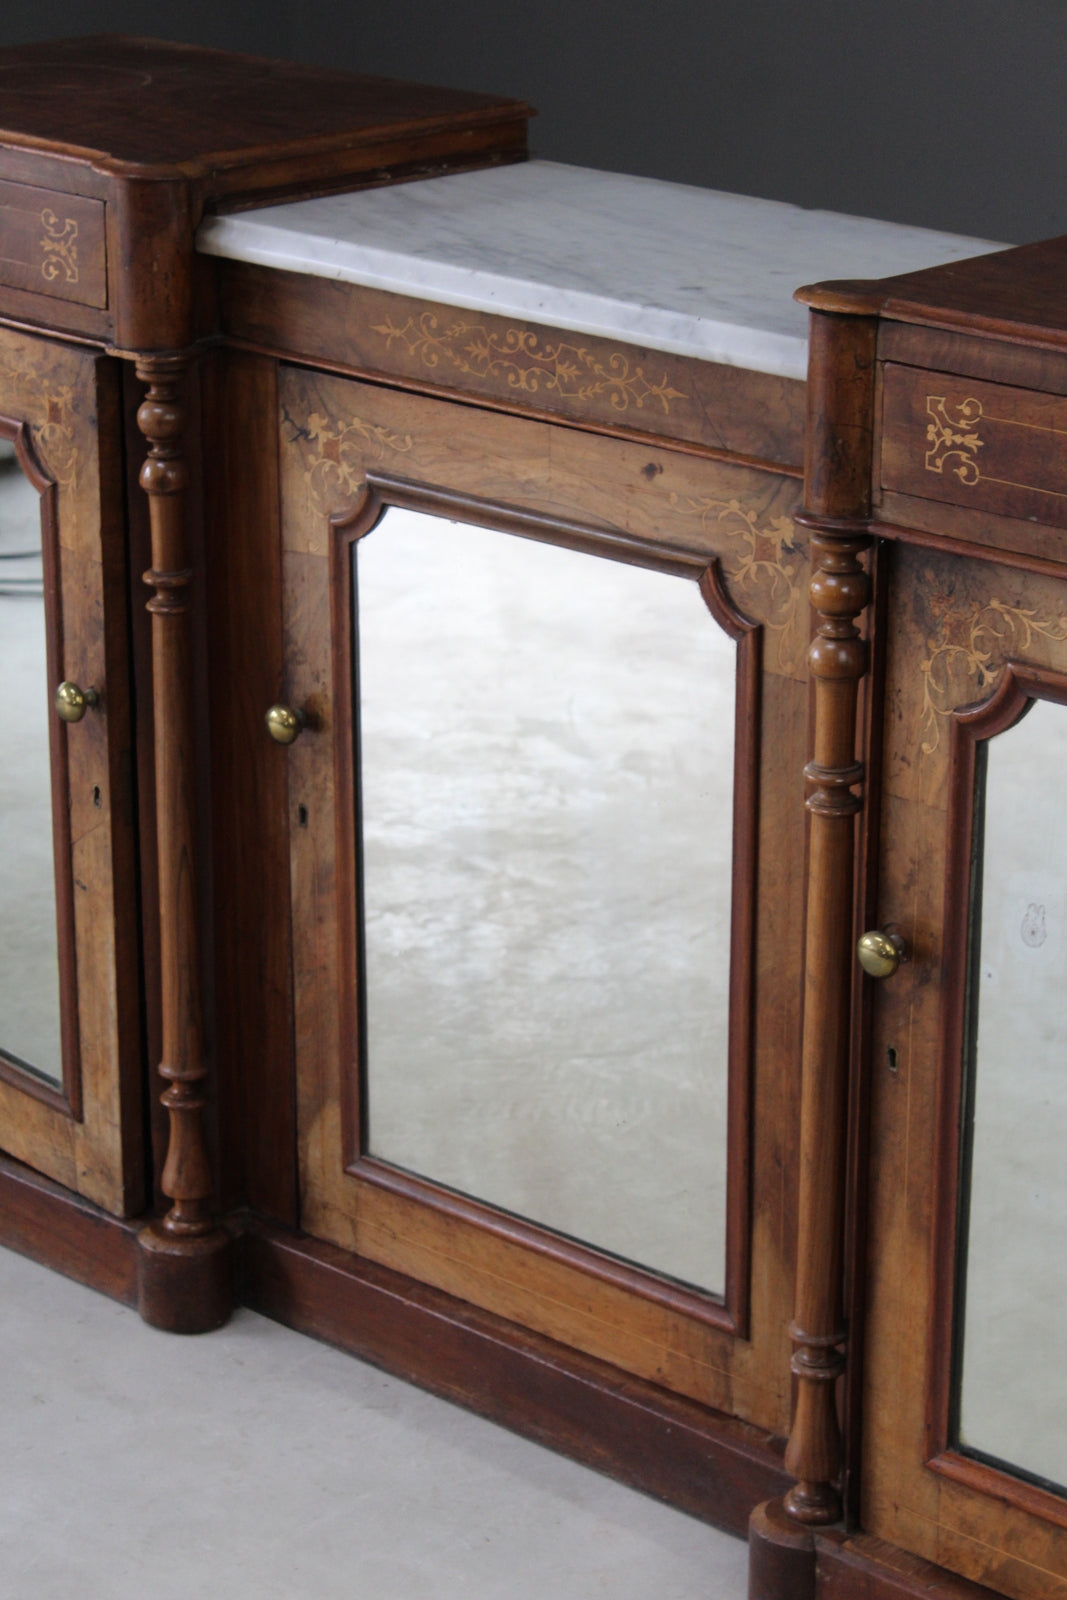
{"points": [[661, 265]]}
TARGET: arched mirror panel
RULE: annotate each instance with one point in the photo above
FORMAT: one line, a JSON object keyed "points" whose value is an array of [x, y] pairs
{"points": [[546, 792], [998, 1422], [1010, 1404], [34, 848]]}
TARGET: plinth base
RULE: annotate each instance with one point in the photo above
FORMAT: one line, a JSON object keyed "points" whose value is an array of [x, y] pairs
{"points": [[781, 1555], [184, 1285]]}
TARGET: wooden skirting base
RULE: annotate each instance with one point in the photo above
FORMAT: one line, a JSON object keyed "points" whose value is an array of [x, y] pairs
{"points": [[781, 1556], [40, 1219], [860, 1567], [787, 1562], [184, 1285], [712, 1466]]}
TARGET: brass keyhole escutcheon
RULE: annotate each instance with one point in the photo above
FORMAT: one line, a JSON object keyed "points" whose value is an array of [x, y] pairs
{"points": [[72, 703], [284, 724], [881, 953]]}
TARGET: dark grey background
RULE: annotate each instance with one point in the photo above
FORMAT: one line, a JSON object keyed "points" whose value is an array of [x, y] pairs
{"points": [[946, 113]]}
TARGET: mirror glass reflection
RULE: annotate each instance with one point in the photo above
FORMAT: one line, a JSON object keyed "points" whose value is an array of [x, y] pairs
{"points": [[547, 746], [29, 956], [1012, 1398]]}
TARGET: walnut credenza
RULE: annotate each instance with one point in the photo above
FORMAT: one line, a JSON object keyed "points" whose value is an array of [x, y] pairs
{"points": [[934, 488], [112, 151], [293, 416]]}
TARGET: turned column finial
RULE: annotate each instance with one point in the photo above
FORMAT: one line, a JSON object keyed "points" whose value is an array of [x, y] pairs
{"points": [[837, 499], [837, 660], [185, 1255]]}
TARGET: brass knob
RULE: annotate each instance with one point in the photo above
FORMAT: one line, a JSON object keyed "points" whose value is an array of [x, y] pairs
{"points": [[284, 724], [72, 703], [881, 953]]}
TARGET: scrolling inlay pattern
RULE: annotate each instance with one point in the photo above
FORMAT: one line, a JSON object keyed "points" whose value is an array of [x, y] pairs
{"points": [[968, 652], [60, 248], [768, 561], [953, 437], [528, 363], [53, 438], [336, 450]]}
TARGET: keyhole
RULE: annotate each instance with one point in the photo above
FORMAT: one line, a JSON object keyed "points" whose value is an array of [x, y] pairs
{"points": [[302, 816], [891, 1059], [96, 795]]}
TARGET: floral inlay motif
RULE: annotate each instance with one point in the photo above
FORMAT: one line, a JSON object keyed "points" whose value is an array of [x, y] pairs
{"points": [[974, 645], [952, 437], [54, 437], [528, 363], [336, 451], [49, 410], [59, 244], [766, 558]]}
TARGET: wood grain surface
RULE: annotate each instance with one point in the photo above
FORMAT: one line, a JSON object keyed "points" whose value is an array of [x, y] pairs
{"points": [[53, 243], [862, 1567], [956, 623], [987, 447], [68, 399], [49, 1223], [333, 432], [147, 135], [1013, 295], [249, 789], [143, 104], [519, 366]]}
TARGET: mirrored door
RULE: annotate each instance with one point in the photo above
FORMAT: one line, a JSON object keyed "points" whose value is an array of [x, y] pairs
{"points": [[531, 819], [962, 1455], [544, 741], [35, 888], [998, 1399], [1011, 1267], [70, 1049]]}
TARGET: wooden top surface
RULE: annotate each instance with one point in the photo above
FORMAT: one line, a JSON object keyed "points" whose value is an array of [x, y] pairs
{"points": [[1018, 294], [155, 109]]}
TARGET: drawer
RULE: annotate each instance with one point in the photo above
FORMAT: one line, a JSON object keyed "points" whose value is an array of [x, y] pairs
{"points": [[981, 445], [53, 244]]}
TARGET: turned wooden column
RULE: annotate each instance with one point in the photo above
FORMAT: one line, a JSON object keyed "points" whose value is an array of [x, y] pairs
{"points": [[837, 499], [184, 1257]]}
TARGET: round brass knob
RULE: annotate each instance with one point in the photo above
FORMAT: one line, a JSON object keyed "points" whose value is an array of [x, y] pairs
{"points": [[284, 724], [72, 703], [881, 953]]}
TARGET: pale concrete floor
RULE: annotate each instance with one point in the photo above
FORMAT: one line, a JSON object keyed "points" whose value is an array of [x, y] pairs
{"points": [[257, 1462]]}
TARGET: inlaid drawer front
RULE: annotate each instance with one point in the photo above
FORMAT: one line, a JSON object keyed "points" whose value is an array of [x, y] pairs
{"points": [[983, 445], [53, 244]]}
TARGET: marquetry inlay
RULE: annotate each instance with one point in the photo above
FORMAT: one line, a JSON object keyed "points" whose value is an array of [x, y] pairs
{"points": [[529, 363], [59, 246]]}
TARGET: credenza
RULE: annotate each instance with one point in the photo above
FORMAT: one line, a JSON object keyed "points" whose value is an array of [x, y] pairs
{"points": [[932, 496], [541, 690], [112, 151]]}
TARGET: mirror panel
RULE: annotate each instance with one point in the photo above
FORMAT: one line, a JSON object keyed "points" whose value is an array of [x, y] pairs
{"points": [[29, 947], [546, 781], [1012, 1402]]}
